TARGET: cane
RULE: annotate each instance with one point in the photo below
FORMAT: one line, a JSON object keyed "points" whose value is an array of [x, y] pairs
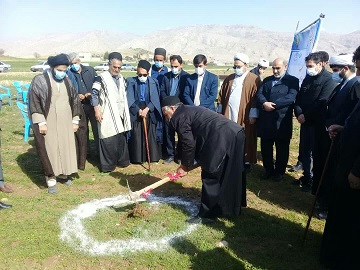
{"points": [[317, 190], [146, 142]]}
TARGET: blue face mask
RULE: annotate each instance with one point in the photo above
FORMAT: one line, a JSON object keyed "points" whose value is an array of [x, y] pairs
{"points": [[59, 75], [75, 67], [336, 77], [159, 64]]}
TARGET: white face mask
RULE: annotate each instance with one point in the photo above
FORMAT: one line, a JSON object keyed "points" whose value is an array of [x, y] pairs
{"points": [[239, 71], [142, 79], [199, 70], [311, 71], [175, 71]]}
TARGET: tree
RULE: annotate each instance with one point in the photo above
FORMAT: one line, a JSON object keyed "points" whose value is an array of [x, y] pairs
{"points": [[2, 51], [36, 55], [106, 55]]}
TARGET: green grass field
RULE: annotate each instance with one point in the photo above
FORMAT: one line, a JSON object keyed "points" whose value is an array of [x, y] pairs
{"points": [[267, 235]]}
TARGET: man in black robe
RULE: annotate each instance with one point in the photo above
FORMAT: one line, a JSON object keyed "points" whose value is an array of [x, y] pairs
{"points": [[217, 143], [339, 106], [143, 96], [341, 240]]}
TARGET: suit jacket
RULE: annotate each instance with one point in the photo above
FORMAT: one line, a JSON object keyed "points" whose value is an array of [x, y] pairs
{"points": [[313, 96], [165, 87], [277, 124], [208, 91], [88, 75], [342, 102], [152, 102]]}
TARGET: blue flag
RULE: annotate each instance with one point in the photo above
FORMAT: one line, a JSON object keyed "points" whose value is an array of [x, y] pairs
{"points": [[304, 43]]}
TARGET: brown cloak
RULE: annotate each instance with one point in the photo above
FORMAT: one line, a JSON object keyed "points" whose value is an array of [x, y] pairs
{"points": [[248, 101], [40, 97]]}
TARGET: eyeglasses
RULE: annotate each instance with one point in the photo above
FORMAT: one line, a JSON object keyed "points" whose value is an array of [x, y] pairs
{"points": [[142, 75], [116, 67]]}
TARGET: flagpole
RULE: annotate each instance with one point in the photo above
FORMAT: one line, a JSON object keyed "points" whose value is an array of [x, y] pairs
{"points": [[297, 26], [321, 16]]}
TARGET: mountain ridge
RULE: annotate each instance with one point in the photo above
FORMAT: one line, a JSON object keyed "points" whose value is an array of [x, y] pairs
{"points": [[218, 42]]}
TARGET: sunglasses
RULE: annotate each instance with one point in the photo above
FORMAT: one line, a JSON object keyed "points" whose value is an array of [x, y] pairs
{"points": [[142, 75]]}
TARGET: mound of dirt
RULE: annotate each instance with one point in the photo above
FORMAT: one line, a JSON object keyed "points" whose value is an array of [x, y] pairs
{"points": [[139, 211]]}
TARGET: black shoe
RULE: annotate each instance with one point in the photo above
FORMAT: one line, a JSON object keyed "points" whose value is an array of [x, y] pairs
{"points": [[247, 167], [297, 167], [4, 205], [322, 214], [267, 175], [200, 220], [168, 160], [277, 177]]}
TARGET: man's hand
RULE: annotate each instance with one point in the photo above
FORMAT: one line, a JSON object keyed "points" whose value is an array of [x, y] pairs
{"points": [[75, 127], [81, 96], [354, 181], [88, 95], [252, 120], [182, 171], [301, 119], [334, 130], [143, 113], [43, 129], [98, 114], [269, 106]]}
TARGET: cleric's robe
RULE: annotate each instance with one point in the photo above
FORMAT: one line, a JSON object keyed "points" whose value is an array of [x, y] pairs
{"points": [[251, 84], [57, 104], [217, 144]]}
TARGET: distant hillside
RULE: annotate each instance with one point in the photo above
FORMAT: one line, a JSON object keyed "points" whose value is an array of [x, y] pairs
{"points": [[218, 42], [93, 41]]}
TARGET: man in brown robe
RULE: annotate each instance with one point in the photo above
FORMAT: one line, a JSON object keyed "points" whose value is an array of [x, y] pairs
{"points": [[54, 107], [237, 101]]}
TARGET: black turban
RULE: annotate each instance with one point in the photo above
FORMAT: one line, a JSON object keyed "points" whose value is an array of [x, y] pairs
{"points": [[115, 55], [170, 101], [160, 51], [144, 64], [60, 59]]}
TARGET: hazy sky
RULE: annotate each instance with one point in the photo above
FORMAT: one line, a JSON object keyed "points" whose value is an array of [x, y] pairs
{"points": [[31, 18]]}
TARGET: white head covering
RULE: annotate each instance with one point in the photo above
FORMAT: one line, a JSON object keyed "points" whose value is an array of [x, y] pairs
{"points": [[263, 63], [342, 60], [242, 57]]}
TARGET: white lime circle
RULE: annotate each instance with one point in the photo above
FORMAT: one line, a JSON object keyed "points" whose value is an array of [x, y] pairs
{"points": [[74, 233]]}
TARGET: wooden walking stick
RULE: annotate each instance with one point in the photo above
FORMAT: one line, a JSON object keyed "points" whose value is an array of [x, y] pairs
{"points": [[146, 142], [317, 190]]}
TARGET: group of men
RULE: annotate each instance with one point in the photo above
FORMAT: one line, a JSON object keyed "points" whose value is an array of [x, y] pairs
{"points": [[125, 113], [217, 130]]}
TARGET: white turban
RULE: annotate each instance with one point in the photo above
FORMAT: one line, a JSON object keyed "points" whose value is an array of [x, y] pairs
{"points": [[341, 60], [242, 57], [263, 63]]}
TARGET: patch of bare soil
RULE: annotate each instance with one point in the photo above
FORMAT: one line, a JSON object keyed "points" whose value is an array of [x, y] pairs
{"points": [[139, 211]]}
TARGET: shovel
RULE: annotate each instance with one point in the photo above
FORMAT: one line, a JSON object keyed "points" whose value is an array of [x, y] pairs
{"points": [[145, 192]]}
